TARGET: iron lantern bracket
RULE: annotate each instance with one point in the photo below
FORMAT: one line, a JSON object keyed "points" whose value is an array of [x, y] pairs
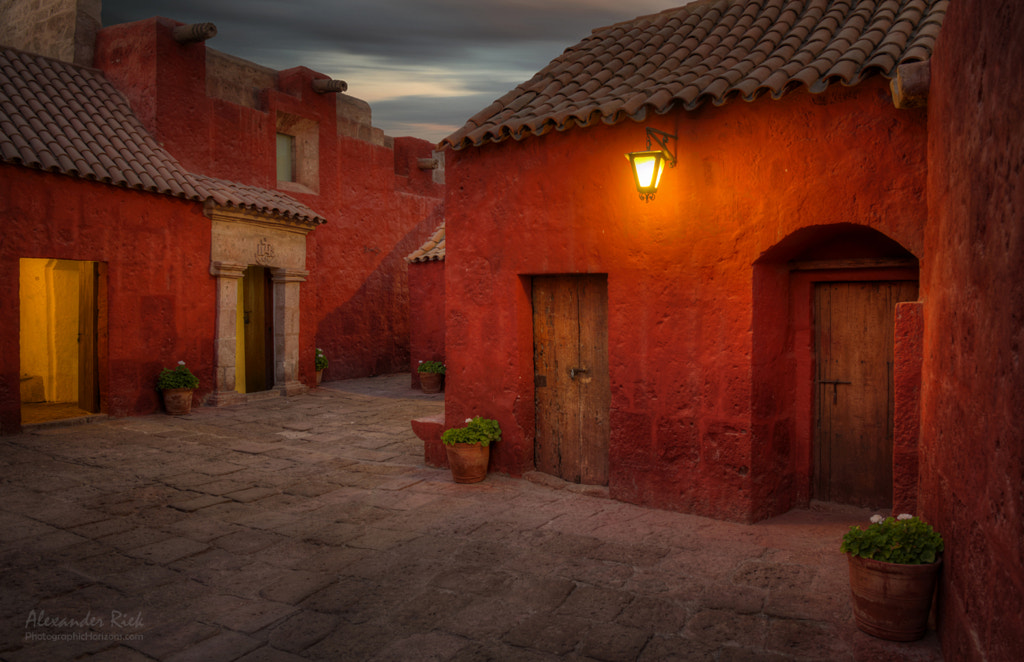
{"points": [[662, 138]]}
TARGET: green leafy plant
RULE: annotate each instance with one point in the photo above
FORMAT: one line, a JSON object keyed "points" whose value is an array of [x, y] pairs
{"points": [[431, 366], [321, 359], [903, 539], [483, 431], [180, 377]]}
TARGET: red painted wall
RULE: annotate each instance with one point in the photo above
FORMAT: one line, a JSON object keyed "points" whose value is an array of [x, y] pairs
{"points": [[426, 314], [160, 292], [972, 433], [704, 419], [380, 206], [908, 355]]}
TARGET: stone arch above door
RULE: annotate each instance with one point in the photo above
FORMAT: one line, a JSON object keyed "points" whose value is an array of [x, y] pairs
{"points": [[240, 238]]}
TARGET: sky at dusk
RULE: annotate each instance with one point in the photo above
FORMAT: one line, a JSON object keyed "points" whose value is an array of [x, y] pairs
{"points": [[425, 66]]}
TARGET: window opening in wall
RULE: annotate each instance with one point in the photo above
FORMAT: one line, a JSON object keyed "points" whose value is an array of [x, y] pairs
{"points": [[285, 158], [298, 154]]}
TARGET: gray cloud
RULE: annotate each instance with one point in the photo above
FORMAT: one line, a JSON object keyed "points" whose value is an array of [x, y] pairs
{"points": [[487, 46]]}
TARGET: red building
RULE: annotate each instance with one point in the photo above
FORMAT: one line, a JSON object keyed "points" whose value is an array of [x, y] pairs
{"points": [[696, 351], [164, 202], [823, 301], [426, 303]]}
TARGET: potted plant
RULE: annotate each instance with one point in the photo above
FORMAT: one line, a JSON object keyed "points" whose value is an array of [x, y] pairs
{"points": [[431, 376], [894, 564], [177, 386], [321, 364], [468, 448]]}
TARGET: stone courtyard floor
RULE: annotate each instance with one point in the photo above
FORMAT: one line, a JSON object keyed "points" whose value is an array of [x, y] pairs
{"points": [[309, 528]]}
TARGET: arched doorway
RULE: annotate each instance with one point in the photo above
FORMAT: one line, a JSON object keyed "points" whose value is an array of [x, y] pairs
{"points": [[824, 310]]}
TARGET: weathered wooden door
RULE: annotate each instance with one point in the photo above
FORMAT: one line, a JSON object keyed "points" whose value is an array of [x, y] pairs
{"points": [[573, 396], [854, 326], [88, 337], [258, 318]]}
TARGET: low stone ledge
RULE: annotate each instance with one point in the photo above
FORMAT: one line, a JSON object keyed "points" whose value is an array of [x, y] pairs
{"points": [[429, 429]]}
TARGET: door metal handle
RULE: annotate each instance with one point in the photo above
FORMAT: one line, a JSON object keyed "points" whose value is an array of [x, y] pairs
{"points": [[576, 371]]}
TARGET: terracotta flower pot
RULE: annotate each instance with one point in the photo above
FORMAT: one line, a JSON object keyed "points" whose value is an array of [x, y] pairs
{"points": [[319, 376], [431, 382], [468, 462], [178, 401], [892, 600]]}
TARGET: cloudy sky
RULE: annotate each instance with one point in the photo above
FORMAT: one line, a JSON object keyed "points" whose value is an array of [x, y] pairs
{"points": [[425, 66]]}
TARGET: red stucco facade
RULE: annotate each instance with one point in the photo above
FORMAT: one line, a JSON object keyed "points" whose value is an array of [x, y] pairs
{"points": [[709, 352], [972, 429], [379, 204], [155, 250], [158, 282], [426, 315]]}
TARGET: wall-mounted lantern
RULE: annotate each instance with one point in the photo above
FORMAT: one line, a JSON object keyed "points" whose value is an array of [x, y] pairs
{"points": [[649, 165]]}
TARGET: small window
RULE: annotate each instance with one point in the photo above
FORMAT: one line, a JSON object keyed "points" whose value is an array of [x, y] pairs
{"points": [[285, 158], [298, 154]]}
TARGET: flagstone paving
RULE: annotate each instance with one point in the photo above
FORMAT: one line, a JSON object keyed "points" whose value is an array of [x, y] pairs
{"points": [[308, 528]]}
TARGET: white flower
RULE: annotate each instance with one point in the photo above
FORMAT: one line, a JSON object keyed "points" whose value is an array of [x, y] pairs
{"points": [[181, 363], [421, 361], [469, 420], [875, 519], [905, 516]]}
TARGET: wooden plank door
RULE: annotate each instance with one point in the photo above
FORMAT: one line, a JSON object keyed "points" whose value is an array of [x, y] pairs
{"points": [[88, 337], [854, 327], [573, 395], [258, 319]]}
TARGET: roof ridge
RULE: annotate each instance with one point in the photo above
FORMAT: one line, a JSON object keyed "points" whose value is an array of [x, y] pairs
{"points": [[644, 17], [709, 50]]}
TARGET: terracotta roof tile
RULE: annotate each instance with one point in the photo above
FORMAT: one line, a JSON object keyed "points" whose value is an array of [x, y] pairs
{"points": [[432, 250], [69, 120], [710, 50]]}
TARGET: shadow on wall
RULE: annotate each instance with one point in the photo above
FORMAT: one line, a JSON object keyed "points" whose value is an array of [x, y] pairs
{"points": [[369, 334]]}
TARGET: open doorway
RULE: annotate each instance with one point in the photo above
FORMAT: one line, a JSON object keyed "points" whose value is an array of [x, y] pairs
{"points": [[62, 307]]}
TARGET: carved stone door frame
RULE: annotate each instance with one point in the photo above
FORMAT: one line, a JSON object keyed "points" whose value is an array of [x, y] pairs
{"points": [[241, 239]]}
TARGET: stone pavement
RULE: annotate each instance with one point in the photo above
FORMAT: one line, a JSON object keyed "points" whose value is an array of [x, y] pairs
{"points": [[308, 528]]}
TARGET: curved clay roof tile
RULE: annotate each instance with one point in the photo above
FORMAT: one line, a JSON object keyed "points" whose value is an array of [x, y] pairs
{"points": [[711, 51]]}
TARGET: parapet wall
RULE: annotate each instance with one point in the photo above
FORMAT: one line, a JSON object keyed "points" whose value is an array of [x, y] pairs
{"points": [[62, 29]]}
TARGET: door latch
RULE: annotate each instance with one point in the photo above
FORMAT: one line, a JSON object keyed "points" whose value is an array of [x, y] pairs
{"points": [[835, 388], [576, 371]]}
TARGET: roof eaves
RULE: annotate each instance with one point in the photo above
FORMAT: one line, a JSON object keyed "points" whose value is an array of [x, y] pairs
{"points": [[70, 120]]}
